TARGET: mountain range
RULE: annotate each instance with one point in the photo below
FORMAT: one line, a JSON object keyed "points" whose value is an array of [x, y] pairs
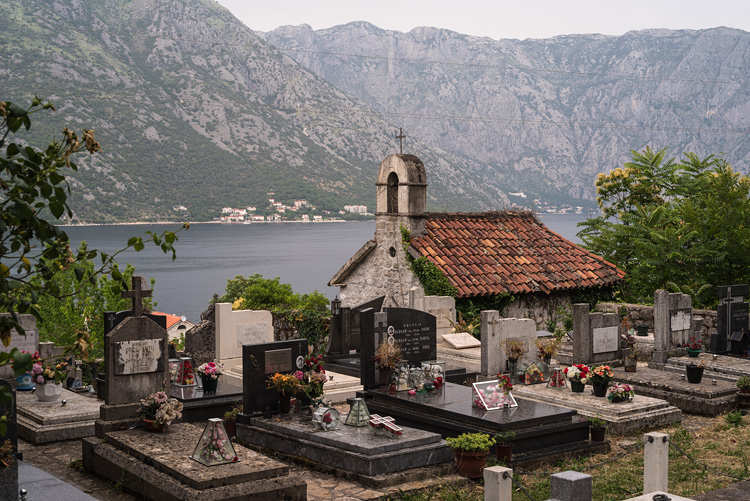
{"points": [[195, 111]]}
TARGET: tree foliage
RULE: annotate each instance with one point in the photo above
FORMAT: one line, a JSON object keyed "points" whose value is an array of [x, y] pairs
{"points": [[682, 224], [34, 194]]}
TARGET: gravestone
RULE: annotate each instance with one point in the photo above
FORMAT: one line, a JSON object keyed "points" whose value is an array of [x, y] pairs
{"points": [[234, 329], [596, 336], [495, 331], [413, 331], [135, 361], [673, 323], [259, 362], [443, 307], [29, 342], [732, 315], [344, 335]]}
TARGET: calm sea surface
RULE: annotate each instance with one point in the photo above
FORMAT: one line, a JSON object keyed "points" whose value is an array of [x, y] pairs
{"points": [[305, 255]]}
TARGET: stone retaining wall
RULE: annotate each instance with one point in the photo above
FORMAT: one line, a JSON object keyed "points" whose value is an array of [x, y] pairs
{"points": [[642, 314]]}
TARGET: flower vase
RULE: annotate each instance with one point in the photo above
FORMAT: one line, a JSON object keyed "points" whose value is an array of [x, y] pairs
{"points": [[597, 434], [631, 364], [576, 386], [285, 403], [513, 369], [693, 353], [600, 389], [209, 384], [384, 375], [504, 453], [48, 392], [544, 367], [694, 373], [154, 427]]}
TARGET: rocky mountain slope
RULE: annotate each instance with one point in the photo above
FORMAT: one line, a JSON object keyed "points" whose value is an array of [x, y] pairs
{"points": [[544, 115], [193, 109]]}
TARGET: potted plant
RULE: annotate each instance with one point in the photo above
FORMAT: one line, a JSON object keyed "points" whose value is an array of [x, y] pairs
{"points": [[693, 347], [230, 418], [158, 410], [600, 377], [546, 349], [743, 383], [620, 392], [578, 375], [209, 374], [641, 330], [386, 357], [504, 445], [598, 427], [471, 451], [286, 385], [48, 378], [694, 372]]}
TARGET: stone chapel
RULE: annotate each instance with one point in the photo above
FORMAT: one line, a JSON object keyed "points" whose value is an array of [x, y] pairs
{"points": [[481, 254]]}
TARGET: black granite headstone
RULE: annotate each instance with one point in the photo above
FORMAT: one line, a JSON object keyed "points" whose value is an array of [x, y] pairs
{"points": [[414, 331], [733, 314], [738, 343], [344, 340], [259, 362]]}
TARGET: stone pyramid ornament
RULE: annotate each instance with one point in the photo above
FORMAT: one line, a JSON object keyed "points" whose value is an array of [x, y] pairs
{"points": [[214, 447]]}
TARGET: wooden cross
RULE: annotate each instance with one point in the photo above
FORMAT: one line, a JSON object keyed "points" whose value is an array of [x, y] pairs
{"points": [[400, 138], [137, 295]]}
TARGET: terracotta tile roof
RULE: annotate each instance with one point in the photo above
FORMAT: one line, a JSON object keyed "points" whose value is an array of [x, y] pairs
{"points": [[171, 319], [493, 252]]}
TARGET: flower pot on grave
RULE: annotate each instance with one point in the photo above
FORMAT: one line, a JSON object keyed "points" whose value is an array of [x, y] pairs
{"points": [[641, 330], [693, 353], [153, 426], [285, 403], [631, 364], [597, 434], [576, 386], [513, 369], [231, 429], [504, 453], [209, 384], [600, 389], [384, 375], [470, 464], [48, 392], [694, 373]]}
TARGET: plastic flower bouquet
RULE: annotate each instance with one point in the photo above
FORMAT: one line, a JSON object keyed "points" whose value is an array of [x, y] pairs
{"points": [[161, 409], [578, 372], [286, 384], [43, 372], [601, 374], [210, 370], [620, 392]]}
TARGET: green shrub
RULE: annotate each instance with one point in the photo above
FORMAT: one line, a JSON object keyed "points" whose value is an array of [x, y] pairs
{"points": [[471, 442]]}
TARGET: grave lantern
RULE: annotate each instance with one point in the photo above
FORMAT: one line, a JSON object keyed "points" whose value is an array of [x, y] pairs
{"points": [[557, 379], [359, 415], [214, 447], [185, 374], [434, 371], [326, 419]]}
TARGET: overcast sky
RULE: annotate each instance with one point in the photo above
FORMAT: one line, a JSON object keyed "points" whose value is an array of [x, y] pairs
{"points": [[498, 18]]}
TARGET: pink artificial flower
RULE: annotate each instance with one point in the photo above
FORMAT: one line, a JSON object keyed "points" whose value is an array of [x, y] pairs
{"points": [[160, 397]]}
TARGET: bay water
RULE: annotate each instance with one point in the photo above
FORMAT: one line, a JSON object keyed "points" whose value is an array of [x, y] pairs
{"points": [[305, 255]]}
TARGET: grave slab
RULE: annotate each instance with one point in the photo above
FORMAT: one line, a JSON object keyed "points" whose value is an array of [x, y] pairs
{"points": [[157, 466], [200, 406], [542, 430], [703, 398], [354, 449], [720, 367], [622, 418], [43, 422], [461, 340]]}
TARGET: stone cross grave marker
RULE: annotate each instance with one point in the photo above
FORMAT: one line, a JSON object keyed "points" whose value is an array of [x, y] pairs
{"points": [[29, 342], [414, 331], [234, 329], [259, 362], [732, 315], [135, 355], [596, 336], [112, 318]]}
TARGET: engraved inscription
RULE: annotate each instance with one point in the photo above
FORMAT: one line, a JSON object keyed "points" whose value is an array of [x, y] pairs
{"points": [[256, 333], [137, 357], [681, 320], [278, 361]]}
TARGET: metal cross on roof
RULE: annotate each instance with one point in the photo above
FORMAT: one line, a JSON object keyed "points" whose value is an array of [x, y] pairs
{"points": [[401, 136], [137, 295]]}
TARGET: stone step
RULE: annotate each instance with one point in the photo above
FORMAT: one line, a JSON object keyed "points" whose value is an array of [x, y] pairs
{"points": [[35, 433]]}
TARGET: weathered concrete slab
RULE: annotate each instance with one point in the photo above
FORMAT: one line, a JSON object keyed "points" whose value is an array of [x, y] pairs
{"points": [[461, 340], [703, 398], [717, 366], [157, 466], [350, 448], [43, 422], [625, 417], [650, 497]]}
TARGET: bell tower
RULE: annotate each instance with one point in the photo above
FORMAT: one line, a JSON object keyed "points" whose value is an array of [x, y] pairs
{"points": [[401, 195]]}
